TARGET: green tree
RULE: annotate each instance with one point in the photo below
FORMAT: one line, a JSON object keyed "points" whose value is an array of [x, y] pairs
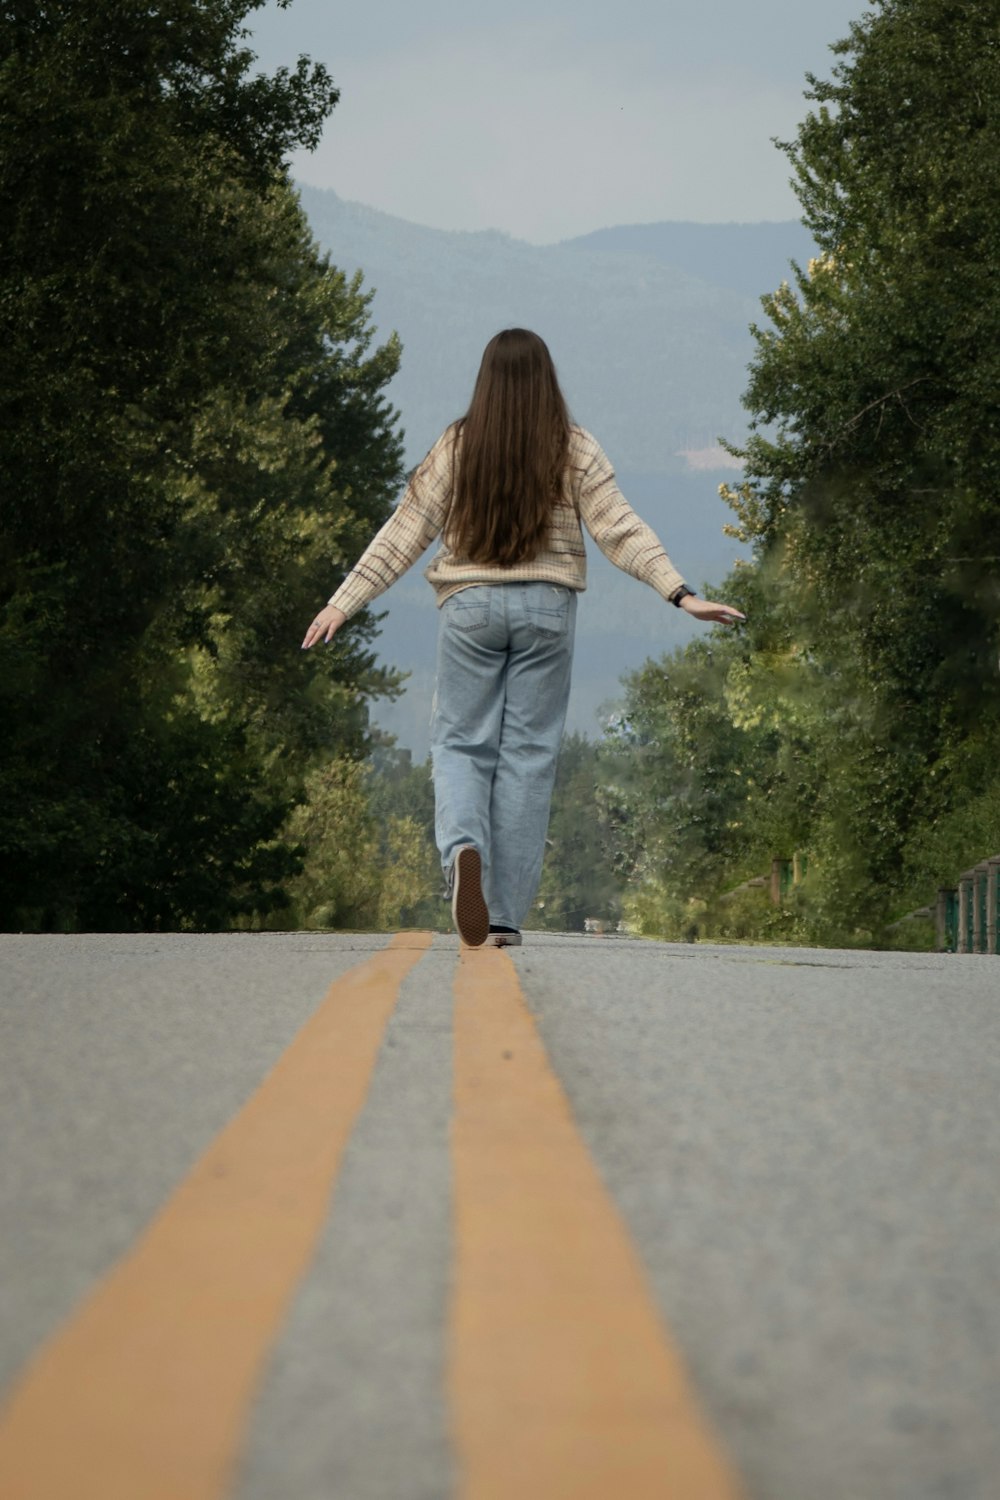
{"points": [[870, 491], [578, 879], [367, 834], [401, 797], [194, 443], [856, 717], [339, 884]]}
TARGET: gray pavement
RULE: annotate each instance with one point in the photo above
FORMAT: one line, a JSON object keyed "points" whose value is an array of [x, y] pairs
{"points": [[353, 1404], [121, 1057], [803, 1145]]}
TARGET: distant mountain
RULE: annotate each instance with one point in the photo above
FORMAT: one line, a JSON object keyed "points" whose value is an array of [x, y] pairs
{"points": [[651, 356], [746, 258], [652, 353]]}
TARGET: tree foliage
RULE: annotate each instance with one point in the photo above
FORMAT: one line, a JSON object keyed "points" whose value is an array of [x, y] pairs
{"points": [[865, 688], [194, 444], [579, 881]]}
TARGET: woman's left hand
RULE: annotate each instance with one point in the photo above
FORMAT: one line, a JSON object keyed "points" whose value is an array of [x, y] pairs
{"points": [[705, 609], [325, 626]]}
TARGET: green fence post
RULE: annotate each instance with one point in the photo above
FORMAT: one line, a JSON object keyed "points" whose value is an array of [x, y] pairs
{"points": [[993, 905], [946, 919], [965, 904], [981, 912], [953, 920]]}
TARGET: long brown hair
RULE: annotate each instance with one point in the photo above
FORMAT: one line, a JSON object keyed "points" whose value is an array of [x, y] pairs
{"points": [[514, 444]]}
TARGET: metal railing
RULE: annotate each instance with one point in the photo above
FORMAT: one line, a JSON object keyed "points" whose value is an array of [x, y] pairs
{"points": [[967, 916]]}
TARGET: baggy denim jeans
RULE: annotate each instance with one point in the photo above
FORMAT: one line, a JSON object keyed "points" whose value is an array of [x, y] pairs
{"points": [[505, 654]]}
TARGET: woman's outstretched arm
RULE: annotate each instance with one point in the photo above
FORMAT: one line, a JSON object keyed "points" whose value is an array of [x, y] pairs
{"points": [[632, 545], [409, 531]]}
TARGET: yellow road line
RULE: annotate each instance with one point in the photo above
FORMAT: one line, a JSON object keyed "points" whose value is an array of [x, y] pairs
{"points": [[564, 1384], [144, 1394]]}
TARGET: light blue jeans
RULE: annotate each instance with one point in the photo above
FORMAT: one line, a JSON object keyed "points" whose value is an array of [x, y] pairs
{"points": [[505, 653]]}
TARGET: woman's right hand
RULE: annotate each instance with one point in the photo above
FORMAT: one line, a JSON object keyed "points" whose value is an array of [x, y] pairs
{"points": [[705, 609], [325, 626]]}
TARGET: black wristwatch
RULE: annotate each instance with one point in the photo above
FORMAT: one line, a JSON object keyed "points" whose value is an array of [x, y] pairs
{"points": [[681, 593]]}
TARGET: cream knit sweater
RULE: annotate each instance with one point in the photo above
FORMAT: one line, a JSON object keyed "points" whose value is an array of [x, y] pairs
{"points": [[590, 495]]}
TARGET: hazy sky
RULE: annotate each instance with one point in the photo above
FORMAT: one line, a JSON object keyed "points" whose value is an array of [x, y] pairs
{"points": [[549, 120]]}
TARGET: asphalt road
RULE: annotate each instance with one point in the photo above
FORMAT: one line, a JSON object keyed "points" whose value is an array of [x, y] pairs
{"points": [[800, 1147]]}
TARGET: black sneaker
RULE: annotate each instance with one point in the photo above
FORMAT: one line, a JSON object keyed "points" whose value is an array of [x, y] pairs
{"points": [[504, 937], [469, 910]]}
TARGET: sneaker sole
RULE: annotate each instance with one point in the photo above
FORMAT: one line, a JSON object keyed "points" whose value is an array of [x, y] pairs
{"points": [[471, 915]]}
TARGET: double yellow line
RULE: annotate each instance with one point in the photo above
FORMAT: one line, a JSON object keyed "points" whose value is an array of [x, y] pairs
{"points": [[563, 1382]]}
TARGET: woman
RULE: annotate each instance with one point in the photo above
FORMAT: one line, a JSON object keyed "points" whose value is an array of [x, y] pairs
{"points": [[506, 488]]}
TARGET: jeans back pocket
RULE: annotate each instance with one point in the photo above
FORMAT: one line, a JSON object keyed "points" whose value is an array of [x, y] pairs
{"points": [[547, 607], [468, 613]]}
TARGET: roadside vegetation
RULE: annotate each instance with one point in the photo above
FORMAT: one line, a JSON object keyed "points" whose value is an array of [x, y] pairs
{"points": [[856, 718], [193, 443]]}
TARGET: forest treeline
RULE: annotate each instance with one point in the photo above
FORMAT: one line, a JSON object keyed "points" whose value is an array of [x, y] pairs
{"points": [[196, 443], [855, 719]]}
